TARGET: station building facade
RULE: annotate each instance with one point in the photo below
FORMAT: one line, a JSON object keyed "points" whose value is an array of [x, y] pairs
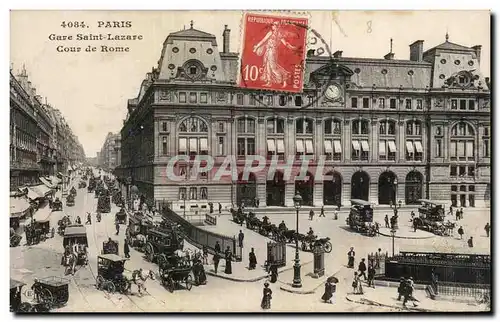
{"points": [[391, 130]]}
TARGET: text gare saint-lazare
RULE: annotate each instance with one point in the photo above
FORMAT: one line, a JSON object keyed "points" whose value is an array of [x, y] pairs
{"points": [[94, 37]]}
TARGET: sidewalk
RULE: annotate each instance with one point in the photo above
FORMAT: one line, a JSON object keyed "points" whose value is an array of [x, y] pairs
{"points": [[310, 283], [388, 297]]}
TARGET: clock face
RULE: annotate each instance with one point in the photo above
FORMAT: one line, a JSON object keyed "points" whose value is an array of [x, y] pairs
{"points": [[333, 92]]}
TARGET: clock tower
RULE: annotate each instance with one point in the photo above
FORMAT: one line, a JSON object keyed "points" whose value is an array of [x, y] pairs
{"points": [[332, 80]]}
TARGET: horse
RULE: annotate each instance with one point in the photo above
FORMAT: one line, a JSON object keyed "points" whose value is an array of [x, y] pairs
{"points": [[140, 280], [69, 262]]}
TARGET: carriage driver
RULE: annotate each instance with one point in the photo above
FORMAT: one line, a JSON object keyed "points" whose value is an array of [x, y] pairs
{"points": [[282, 226], [310, 233]]}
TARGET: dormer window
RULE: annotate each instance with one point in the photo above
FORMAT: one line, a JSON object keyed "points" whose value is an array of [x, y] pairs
{"points": [[192, 70], [462, 80]]}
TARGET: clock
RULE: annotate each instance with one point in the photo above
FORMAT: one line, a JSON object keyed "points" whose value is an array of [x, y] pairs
{"points": [[333, 92]]}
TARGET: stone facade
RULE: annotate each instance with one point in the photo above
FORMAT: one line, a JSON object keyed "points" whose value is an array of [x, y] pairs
{"points": [[393, 129]]}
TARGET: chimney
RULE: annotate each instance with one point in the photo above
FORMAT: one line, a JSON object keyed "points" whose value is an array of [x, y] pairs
{"points": [[477, 50], [389, 56], [417, 51], [225, 39], [337, 54]]}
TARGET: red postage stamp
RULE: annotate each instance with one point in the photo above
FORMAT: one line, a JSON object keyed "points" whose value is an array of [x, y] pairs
{"points": [[273, 54]]}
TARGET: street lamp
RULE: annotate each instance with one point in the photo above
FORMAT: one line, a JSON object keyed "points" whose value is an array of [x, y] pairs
{"points": [[393, 235], [297, 282]]}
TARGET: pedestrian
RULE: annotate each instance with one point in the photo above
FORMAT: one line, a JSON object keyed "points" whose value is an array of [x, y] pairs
{"points": [[205, 255], [350, 258], [457, 215], [89, 219], [487, 229], [470, 242], [252, 260], [217, 247], [117, 226], [451, 210], [408, 292], [401, 288], [216, 260], [126, 249], [322, 212], [241, 236], [386, 219], [266, 297], [211, 205], [311, 214], [329, 290], [461, 213], [434, 282], [415, 225], [362, 269], [461, 231], [356, 284], [371, 276], [274, 273], [378, 256], [257, 202], [335, 214], [228, 257]]}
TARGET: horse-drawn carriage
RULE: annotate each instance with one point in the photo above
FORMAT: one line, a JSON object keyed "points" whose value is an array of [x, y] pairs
{"points": [[47, 292], [104, 203], [57, 205], [162, 242], [70, 200], [431, 218], [138, 227], [38, 231], [110, 277], [172, 278], [15, 238], [92, 185], [360, 217], [308, 242], [121, 216], [62, 223], [75, 245], [116, 197], [110, 247]]}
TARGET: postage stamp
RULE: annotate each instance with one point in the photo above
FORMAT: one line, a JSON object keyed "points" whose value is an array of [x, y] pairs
{"points": [[273, 53]]}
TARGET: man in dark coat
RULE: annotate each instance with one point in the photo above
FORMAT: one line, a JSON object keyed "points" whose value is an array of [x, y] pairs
{"points": [[220, 208], [350, 257], [241, 236], [362, 269], [322, 212], [401, 288], [470, 242], [126, 249], [371, 275], [274, 273], [252, 259], [216, 260], [217, 247], [487, 229], [211, 205], [461, 231], [457, 215], [311, 214], [229, 258], [386, 219]]}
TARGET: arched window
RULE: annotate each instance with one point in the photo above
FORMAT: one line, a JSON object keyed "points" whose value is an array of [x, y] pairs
{"points": [[360, 146], [193, 136], [332, 130], [275, 137], [304, 140], [304, 126], [387, 142], [462, 142], [245, 136]]}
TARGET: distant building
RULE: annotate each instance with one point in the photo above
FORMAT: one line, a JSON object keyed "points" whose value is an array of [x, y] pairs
{"points": [[390, 129], [108, 156]]}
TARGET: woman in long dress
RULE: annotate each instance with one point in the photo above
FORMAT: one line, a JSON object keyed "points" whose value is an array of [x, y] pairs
{"points": [[273, 72], [266, 297], [229, 258]]}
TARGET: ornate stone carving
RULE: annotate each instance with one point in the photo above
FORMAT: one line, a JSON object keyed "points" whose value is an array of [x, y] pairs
{"points": [[346, 121], [439, 102], [166, 95], [401, 122], [486, 103], [221, 96]]}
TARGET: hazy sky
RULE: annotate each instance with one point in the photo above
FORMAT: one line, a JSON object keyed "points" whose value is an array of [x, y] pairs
{"points": [[91, 89]]}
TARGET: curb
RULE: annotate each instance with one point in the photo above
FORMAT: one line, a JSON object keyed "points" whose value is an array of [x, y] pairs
{"points": [[255, 279], [370, 302], [404, 237], [298, 291], [383, 283]]}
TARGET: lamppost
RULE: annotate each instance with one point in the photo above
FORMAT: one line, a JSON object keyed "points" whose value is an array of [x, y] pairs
{"points": [[297, 282], [393, 235]]}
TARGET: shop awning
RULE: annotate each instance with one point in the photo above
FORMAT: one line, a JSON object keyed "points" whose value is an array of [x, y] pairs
{"points": [[300, 146], [203, 144], [182, 145], [355, 145], [193, 145], [418, 147], [337, 146], [47, 183], [270, 146], [309, 147], [328, 147], [280, 146], [18, 206], [55, 180], [32, 194], [409, 146], [365, 146], [392, 146], [381, 148], [39, 191]]}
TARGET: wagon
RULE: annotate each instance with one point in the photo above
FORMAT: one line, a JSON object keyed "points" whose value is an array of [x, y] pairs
{"points": [[57, 205], [110, 247], [38, 231], [110, 276], [360, 216], [54, 291], [75, 234], [161, 243], [173, 278]]}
